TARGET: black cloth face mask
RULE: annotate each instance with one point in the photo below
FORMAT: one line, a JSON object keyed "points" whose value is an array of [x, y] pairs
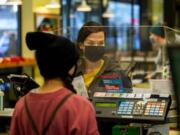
{"points": [[94, 53]]}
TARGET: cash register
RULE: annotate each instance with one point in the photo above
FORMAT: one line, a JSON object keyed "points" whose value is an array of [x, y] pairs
{"points": [[131, 107], [15, 86]]}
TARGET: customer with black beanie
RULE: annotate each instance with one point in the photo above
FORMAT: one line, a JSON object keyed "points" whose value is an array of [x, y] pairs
{"points": [[53, 108]]}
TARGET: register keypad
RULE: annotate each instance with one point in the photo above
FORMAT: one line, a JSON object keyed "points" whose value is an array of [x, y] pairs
{"points": [[155, 108], [125, 107], [141, 108], [138, 108]]}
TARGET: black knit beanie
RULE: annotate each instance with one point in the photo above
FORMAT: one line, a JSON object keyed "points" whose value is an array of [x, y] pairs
{"points": [[55, 55]]}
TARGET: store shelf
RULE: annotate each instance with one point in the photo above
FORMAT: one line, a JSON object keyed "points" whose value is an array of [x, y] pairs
{"points": [[17, 64]]}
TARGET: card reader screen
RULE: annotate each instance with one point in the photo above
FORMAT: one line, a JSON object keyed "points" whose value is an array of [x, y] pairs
{"points": [[105, 104]]}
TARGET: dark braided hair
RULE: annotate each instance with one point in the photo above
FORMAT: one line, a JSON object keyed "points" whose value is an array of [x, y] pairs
{"points": [[68, 84], [67, 80]]}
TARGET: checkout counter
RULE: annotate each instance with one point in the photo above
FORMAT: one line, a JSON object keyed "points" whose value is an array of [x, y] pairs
{"points": [[151, 107], [135, 113], [144, 110]]}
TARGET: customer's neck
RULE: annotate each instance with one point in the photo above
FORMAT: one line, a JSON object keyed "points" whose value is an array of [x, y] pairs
{"points": [[51, 86]]}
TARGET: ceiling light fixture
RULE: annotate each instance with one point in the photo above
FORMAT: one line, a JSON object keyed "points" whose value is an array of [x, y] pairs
{"points": [[53, 4], [84, 7], [2, 2], [108, 14], [41, 10], [14, 2]]}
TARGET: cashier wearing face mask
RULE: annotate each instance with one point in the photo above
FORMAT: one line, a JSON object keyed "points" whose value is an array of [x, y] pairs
{"points": [[99, 72], [94, 65]]}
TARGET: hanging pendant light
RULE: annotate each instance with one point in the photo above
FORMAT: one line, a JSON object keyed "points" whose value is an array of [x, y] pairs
{"points": [[53, 4], [14, 2], [84, 7], [42, 10], [107, 14], [2, 2]]}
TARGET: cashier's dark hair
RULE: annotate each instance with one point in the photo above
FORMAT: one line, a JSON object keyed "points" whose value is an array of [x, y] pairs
{"points": [[87, 29], [55, 56]]}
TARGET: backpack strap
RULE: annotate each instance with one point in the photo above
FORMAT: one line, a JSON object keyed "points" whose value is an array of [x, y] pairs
{"points": [[45, 129], [33, 125], [54, 113]]}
